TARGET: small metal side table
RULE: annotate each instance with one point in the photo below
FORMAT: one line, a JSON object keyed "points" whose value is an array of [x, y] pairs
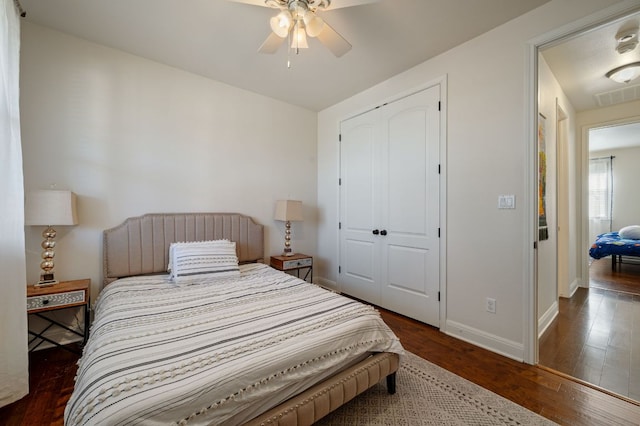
{"points": [[294, 263], [63, 295]]}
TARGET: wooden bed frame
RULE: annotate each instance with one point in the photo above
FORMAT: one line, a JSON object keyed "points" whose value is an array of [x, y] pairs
{"points": [[140, 246]]}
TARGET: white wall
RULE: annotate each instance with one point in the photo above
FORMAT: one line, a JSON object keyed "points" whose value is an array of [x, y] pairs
{"points": [[626, 175], [131, 136], [487, 143], [551, 95]]}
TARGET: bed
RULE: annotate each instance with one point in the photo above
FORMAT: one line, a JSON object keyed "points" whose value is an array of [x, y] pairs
{"points": [[611, 244], [260, 347]]}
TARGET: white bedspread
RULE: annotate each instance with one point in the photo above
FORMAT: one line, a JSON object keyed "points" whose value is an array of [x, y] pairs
{"points": [[203, 352]]}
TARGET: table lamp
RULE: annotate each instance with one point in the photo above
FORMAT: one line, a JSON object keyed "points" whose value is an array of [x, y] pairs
{"points": [[49, 208], [288, 211]]}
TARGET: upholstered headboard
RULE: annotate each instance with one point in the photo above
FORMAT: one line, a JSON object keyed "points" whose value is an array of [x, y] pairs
{"points": [[140, 245]]}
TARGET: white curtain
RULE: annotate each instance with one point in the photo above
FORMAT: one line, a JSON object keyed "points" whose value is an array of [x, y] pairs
{"points": [[14, 373], [600, 196]]}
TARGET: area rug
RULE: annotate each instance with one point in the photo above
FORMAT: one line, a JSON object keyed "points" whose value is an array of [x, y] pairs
{"points": [[430, 395]]}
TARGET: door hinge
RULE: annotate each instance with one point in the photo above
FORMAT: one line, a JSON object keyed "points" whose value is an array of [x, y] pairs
{"points": [[438, 168], [438, 232], [339, 225], [439, 106], [339, 269], [438, 296], [340, 137], [535, 245], [339, 181]]}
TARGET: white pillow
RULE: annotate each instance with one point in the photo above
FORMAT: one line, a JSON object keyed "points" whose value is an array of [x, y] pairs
{"points": [[203, 259], [630, 232], [192, 244]]}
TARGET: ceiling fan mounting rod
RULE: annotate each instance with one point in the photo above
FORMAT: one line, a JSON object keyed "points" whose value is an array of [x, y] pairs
{"points": [[312, 5]]}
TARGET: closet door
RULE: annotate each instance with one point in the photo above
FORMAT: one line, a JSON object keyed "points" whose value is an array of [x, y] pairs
{"points": [[410, 206], [360, 207], [389, 206]]}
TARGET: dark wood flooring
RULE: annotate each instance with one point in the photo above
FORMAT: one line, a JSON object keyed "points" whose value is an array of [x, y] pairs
{"points": [[596, 336], [51, 380], [562, 400]]}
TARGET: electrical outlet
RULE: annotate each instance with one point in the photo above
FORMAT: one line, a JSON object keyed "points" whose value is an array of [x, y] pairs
{"points": [[491, 305]]}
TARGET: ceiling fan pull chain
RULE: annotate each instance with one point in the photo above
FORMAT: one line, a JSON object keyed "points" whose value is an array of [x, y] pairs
{"points": [[289, 50]]}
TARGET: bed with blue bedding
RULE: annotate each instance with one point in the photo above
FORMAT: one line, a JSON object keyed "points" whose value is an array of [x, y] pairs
{"points": [[611, 244]]}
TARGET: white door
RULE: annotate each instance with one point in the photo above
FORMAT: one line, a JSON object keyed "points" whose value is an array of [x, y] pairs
{"points": [[359, 211], [390, 206]]}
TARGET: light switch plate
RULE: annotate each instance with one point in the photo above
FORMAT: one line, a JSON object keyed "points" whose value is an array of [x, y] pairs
{"points": [[506, 201]]}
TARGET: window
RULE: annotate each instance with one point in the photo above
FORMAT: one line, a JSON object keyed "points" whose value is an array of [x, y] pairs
{"points": [[600, 188]]}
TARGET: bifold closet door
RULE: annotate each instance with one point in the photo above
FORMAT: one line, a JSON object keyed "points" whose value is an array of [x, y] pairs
{"points": [[389, 204]]}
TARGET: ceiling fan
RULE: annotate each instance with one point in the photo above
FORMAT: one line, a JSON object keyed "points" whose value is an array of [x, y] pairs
{"points": [[298, 19]]}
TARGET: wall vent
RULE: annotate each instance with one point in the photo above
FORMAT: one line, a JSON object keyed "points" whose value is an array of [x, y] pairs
{"points": [[618, 96]]}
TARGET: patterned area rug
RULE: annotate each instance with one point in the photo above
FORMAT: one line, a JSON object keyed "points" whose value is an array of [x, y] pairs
{"points": [[430, 395]]}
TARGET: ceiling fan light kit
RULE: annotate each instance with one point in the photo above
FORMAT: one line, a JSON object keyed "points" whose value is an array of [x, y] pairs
{"points": [[299, 38], [281, 23], [297, 19]]}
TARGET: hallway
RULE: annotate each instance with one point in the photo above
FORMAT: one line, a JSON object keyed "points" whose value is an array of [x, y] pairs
{"points": [[596, 336]]}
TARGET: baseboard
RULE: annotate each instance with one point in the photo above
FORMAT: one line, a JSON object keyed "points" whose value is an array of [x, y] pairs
{"points": [[328, 284], [493, 343], [547, 318], [573, 287]]}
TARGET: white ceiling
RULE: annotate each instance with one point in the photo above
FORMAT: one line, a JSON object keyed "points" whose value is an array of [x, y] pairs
{"points": [[615, 137], [219, 39], [580, 64]]}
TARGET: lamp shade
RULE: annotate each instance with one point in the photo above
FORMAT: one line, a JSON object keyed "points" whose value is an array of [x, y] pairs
{"points": [[288, 210], [50, 207]]}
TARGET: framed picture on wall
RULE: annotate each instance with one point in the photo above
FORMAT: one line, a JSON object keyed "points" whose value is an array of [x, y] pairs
{"points": [[543, 229]]}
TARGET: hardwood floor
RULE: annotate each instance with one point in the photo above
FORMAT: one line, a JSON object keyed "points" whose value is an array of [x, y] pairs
{"points": [[555, 397], [624, 278], [562, 400], [51, 379], [596, 336]]}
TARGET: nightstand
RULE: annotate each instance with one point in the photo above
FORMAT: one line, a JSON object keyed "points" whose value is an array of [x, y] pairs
{"points": [[294, 263], [63, 295]]}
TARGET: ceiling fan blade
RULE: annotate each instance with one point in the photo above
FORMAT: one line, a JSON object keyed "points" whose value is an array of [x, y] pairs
{"points": [[334, 41], [338, 4], [252, 2], [271, 44]]}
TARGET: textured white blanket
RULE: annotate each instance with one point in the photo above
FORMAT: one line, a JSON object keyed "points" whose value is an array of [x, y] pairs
{"points": [[213, 352]]}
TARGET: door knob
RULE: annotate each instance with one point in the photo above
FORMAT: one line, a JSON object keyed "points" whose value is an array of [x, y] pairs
{"points": [[383, 232], [376, 232]]}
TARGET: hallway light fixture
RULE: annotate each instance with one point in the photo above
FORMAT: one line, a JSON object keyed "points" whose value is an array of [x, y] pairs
{"points": [[625, 73]]}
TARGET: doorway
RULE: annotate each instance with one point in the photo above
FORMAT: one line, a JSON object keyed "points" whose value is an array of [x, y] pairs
{"points": [[577, 352], [595, 336]]}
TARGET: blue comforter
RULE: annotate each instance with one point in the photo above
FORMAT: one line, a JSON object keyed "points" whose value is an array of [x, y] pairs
{"points": [[611, 243]]}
